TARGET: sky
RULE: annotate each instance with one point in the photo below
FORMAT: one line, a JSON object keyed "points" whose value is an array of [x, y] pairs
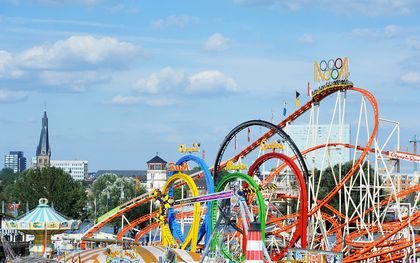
{"points": [[123, 80]]}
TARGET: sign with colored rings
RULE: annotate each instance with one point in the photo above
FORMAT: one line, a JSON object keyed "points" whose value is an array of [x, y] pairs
{"points": [[184, 149], [331, 69]]}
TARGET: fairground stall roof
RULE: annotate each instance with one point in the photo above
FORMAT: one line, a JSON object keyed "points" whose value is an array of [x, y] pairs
{"points": [[145, 254]]}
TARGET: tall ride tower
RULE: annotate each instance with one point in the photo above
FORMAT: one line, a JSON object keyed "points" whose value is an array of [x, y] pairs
{"points": [[43, 151]]}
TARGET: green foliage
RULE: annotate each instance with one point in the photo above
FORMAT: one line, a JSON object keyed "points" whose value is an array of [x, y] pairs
{"points": [[196, 169], [7, 178], [178, 192], [120, 190], [57, 186]]}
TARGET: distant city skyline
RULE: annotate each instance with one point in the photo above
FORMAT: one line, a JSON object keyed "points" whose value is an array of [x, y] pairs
{"points": [[122, 81]]}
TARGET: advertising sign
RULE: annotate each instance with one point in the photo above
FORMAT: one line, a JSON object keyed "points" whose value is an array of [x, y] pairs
{"points": [[312, 256], [405, 156]]}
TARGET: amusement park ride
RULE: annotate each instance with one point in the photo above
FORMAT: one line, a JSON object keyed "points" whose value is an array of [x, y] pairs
{"points": [[284, 192]]}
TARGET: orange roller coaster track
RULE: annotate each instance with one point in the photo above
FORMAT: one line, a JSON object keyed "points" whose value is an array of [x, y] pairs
{"points": [[320, 203]]}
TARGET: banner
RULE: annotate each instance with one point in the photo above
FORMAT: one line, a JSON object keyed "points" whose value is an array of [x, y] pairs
{"points": [[405, 156], [312, 256]]}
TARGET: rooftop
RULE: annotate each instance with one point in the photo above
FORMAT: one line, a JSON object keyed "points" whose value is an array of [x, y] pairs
{"points": [[156, 159]]}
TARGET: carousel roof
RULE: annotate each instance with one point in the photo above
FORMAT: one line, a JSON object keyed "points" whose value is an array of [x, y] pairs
{"points": [[43, 217], [43, 213]]}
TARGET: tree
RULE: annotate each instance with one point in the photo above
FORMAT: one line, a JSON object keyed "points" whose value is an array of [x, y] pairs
{"points": [[119, 190], [67, 195], [7, 175], [7, 178]]}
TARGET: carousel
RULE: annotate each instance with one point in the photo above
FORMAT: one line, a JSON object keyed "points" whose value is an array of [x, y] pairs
{"points": [[43, 222]]}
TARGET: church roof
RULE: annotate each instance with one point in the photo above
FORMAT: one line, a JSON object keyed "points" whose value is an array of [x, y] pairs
{"points": [[43, 148], [156, 159]]}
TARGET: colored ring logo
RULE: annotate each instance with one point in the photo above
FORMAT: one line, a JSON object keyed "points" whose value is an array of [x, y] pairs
{"points": [[331, 68], [323, 65], [338, 63], [331, 64]]}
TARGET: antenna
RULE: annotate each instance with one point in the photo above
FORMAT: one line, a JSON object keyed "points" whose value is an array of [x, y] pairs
{"points": [[414, 141]]}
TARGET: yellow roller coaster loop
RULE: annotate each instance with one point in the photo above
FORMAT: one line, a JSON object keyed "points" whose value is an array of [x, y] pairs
{"points": [[191, 239]]}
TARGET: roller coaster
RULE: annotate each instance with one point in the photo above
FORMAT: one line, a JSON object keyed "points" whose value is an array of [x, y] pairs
{"points": [[283, 190]]}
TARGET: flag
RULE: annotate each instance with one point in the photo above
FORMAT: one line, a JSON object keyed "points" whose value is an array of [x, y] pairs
{"points": [[309, 90], [203, 154], [297, 102], [285, 109], [272, 115], [249, 133], [137, 184], [236, 142]]}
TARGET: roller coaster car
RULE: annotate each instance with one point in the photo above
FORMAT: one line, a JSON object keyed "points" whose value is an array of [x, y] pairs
{"points": [[155, 194], [161, 219], [341, 84], [169, 203]]}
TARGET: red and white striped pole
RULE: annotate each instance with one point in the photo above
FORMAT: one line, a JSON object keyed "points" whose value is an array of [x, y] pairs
{"points": [[254, 245]]}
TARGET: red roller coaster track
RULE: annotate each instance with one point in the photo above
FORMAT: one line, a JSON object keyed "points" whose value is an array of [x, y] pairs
{"points": [[361, 254]]}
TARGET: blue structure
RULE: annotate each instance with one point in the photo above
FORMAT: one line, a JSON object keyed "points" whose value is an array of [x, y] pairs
{"points": [[205, 228]]}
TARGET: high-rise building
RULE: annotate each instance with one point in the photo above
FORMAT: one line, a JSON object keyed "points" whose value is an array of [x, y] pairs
{"points": [[306, 136], [15, 160], [78, 170], [43, 151], [156, 173]]}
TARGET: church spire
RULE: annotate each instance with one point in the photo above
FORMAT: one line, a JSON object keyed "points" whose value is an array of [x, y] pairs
{"points": [[43, 151]]}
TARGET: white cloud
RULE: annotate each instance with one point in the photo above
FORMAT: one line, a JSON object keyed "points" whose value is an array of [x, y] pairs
{"points": [[136, 100], [388, 31], [166, 79], [211, 81], [80, 51], [174, 21], [75, 81], [217, 42], [307, 38], [72, 64], [411, 78], [169, 80], [84, 2], [363, 7], [9, 96], [7, 67], [413, 42], [121, 8]]}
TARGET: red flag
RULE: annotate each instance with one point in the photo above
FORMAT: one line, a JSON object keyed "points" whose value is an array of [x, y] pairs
{"points": [[249, 133], [309, 90], [203, 154]]}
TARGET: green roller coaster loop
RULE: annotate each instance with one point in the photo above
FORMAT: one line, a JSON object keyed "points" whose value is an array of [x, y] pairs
{"points": [[214, 209]]}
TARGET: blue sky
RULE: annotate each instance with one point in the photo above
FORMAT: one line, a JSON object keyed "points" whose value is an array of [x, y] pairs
{"points": [[122, 80]]}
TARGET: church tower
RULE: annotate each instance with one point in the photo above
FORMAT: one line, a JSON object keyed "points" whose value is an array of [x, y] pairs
{"points": [[43, 151]]}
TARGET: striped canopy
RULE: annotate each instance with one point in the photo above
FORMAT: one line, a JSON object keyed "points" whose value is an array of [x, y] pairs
{"points": [[43, 218], [138, 254]]}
